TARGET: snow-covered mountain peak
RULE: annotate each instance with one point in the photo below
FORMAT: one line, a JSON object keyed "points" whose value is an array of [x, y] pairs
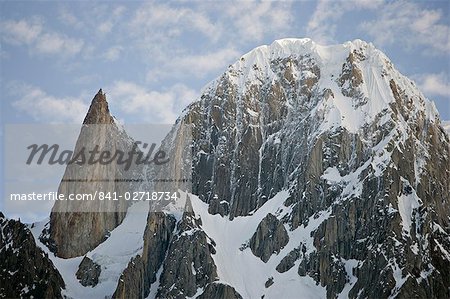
{"points": [[350, 85], [287, 47], [344, 136]]}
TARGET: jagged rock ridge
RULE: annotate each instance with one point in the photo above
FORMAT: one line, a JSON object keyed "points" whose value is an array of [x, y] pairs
{"points": [[26, 271]]}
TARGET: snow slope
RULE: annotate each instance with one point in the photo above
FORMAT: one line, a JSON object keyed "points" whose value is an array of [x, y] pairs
{"points": [[246, 272], [113, 255]]}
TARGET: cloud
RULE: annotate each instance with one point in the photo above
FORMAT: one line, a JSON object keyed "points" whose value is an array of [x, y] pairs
{"points": [[156, 25], [410, 24], [46, 108], [68, 18], [112, 16], [322, 25], [141, 104], [53, 43], [128, 100], [113, 53], [198, 65], [20, 32], [155, 18], [259, 19], [105, 27], [434, 84], [33, 35], [118, 11], [202, 38]]}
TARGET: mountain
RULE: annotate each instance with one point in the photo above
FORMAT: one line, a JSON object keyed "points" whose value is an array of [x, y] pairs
{"points": [[26, 271], [317, 171], [354, 143], [71, 221]]}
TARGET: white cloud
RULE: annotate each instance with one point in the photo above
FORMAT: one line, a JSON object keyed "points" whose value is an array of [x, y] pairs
{"points": [[113, 53], [201, 38], [32, 34], [20, 32], [199, 65], [118, 11], [127, 100], [141, 104], [105, 27], [434, 84], [53, 43], [182, 41], [154, 18], [323, 23], [68, 18], [401, 22], [410, 24], [164, 24], [46, 108], [259, 18]]}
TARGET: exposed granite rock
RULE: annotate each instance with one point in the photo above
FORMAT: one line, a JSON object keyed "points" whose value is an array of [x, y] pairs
{"points": [[140, 273], [25, 270], [98, 112], [270, 237], [131, 281], [324, 269], [289, 260], [88, 272], [219, 207], [91, 221], [375, 279], [351, 76], [218, 290], [269, 282], [189, 264], [157, 237], [230, 129]]}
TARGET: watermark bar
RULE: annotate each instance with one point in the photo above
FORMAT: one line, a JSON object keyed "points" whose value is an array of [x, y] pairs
{"points": [[98, 168]]}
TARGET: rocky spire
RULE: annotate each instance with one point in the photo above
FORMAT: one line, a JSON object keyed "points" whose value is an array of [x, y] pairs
{"points": [[92, 221], [98, 112]]}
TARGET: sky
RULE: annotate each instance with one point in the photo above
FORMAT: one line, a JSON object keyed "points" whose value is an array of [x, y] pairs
{"points": [[153, 58]]}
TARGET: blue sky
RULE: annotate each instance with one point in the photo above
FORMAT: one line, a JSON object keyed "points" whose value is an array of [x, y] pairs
{"points": [[153, 58]]}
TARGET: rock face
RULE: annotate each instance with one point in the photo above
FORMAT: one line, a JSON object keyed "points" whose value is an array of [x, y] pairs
{"points": [[219, 291], [88, 272], [26, 271], [182, 254], [90, 221], [270, 237], [189, 264], [289, 260], [137, 278], [348, 136], [131, 282]]}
